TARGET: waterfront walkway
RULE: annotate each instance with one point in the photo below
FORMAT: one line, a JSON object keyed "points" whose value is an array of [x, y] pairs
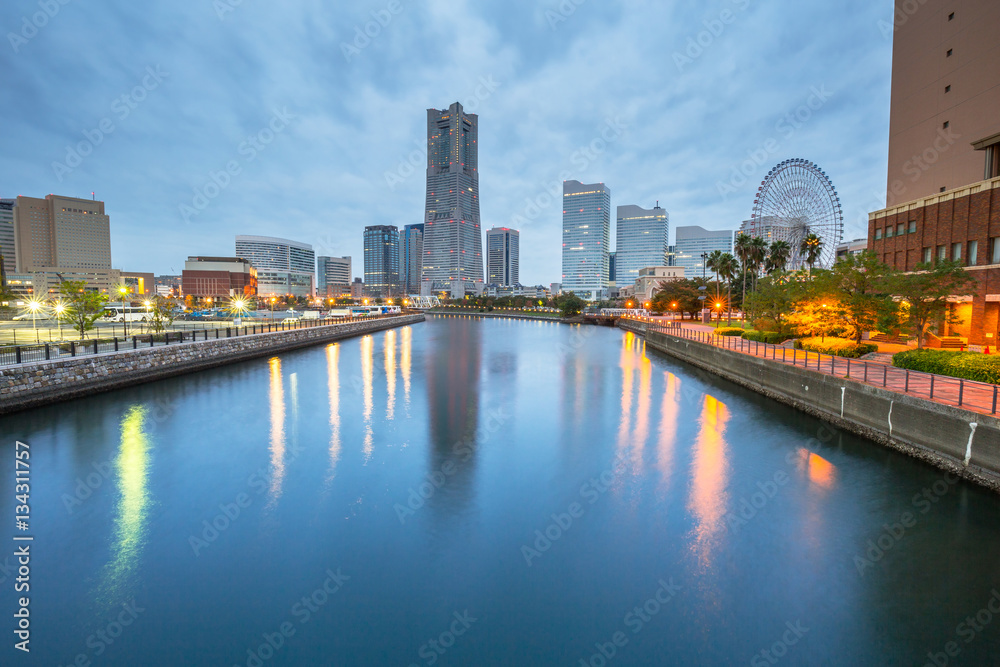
{"points": [[967, 394]]}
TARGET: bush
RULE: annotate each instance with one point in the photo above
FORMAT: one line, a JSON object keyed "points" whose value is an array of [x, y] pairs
{"points": [[838, 347], [729, 331], [965, 365], [772, 337]]}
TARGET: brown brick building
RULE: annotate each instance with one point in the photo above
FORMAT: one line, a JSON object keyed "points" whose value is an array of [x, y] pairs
{"points": [[218, 277]]}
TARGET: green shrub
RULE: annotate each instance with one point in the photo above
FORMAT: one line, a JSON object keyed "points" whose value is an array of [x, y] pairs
{"points": [[966, 365], [729, 331], [838, 347], [772, 337]]}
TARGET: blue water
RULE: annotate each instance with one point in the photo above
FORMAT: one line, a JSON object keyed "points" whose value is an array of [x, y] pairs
{"points": [[485, 492]]}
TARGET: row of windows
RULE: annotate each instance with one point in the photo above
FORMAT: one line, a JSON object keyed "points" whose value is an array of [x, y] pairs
{"points": [[954, 252], [899, 230]]}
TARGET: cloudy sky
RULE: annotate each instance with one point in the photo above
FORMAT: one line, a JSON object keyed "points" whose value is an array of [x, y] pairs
{"points": [[196, 121]]}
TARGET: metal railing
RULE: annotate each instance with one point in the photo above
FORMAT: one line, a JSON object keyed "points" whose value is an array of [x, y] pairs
{"points": [[23, 354], [969, 394]]}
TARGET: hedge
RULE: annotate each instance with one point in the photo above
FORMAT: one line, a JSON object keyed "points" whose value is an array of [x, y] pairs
{"points": [[965, 365], [772, 337], [838, 347], [729, 331]]}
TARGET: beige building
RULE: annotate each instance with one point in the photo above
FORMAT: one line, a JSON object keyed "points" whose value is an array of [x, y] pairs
{"points": [[648, 282], [63, 238], [944, 121]]}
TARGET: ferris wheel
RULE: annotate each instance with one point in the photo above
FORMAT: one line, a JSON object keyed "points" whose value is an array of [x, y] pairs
{"points": [[796, 199]]}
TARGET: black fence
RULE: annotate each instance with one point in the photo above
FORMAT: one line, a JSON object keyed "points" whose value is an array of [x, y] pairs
{"points": [[24, 354]]}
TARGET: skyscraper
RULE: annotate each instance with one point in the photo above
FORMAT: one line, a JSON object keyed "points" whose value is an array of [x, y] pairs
{"points": [[283, 267], [642, 237], [332, 272], [7, 235], [586, 239], [693, 241], [452, 238], [503, 256], [63, 238], [382, 260], [411, 251]]}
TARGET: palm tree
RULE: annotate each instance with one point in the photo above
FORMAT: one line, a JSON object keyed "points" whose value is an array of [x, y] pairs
{"points": [[758, 254], [778, 256], [812, 248], [742, 248], [712, 263], [728, 268]]}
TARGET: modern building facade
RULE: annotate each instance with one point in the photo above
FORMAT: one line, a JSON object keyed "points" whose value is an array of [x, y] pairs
{"points": [[139, 284], [382, 261], [333, 274], [944, 128], [586, 239], [219, 278], [855, 247], [284, 267], [411, 251], [649, 283], [641, 239], [8, 255], [503, 256], [452, 237], [693, 242]]}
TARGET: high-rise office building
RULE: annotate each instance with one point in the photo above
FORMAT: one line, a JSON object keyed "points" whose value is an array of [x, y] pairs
{"points": [[693, 242], [586, 239], [452, 238], [283, 267], [63, 238], [503, 256], [7, 252], [612, 266], [411, 252], [944, 128], [642, 236], [332, 273], [382, 261]]}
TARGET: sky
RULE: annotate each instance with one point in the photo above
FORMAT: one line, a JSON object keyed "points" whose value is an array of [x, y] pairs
{"points": [[198, 121]]}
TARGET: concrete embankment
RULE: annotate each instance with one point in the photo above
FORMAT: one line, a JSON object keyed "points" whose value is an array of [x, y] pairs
{"points": [[30, 385], [509, 316], [964, 442]]}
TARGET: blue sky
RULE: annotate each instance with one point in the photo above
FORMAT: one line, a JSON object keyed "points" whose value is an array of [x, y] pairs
{"points": [[286, 119]]}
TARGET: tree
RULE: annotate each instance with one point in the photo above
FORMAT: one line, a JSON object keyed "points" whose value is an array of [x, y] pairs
{"points": [[812, 248], [569, 304], [712, 262], [679, 295], [83, 307], [777, 256], [775, 298], [743, 251], [162, 313], [925, 295], [728, 268], [862, 285]]}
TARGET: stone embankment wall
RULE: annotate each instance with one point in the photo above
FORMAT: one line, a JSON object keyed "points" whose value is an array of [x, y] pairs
{"points": [[964, 442], [30, 385]]}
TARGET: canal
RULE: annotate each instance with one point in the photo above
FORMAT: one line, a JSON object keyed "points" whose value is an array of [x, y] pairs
{"points": [[485, 492]]}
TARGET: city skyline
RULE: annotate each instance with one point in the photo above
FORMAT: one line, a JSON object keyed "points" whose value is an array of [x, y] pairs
{"points": [[306, 137]]}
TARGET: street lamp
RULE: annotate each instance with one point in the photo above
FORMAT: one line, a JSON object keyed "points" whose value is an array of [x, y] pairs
{"points": [[149, 316], [123, 290], [59, 309], [34, 305]]}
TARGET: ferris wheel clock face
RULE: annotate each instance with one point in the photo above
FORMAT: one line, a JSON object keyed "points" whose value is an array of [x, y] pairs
{"points": [[796, 199]]}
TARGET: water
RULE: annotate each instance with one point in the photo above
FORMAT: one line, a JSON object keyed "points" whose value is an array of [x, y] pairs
{"points": [[466, 492]]}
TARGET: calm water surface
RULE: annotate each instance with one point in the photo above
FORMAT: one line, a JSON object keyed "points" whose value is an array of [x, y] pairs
{"points": [[482, 492]]}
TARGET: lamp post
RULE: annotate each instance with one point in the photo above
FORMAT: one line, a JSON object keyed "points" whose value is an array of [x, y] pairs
{"points": [[149, 314], [59, 309], [34, 306], [123, 290]]}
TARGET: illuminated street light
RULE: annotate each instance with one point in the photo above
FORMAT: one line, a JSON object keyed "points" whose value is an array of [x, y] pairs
{"points": [[123, 290], [34, 305], [59, 309]]}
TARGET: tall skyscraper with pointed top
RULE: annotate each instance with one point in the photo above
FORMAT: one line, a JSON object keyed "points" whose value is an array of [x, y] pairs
{"points": [[453, 240]]}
